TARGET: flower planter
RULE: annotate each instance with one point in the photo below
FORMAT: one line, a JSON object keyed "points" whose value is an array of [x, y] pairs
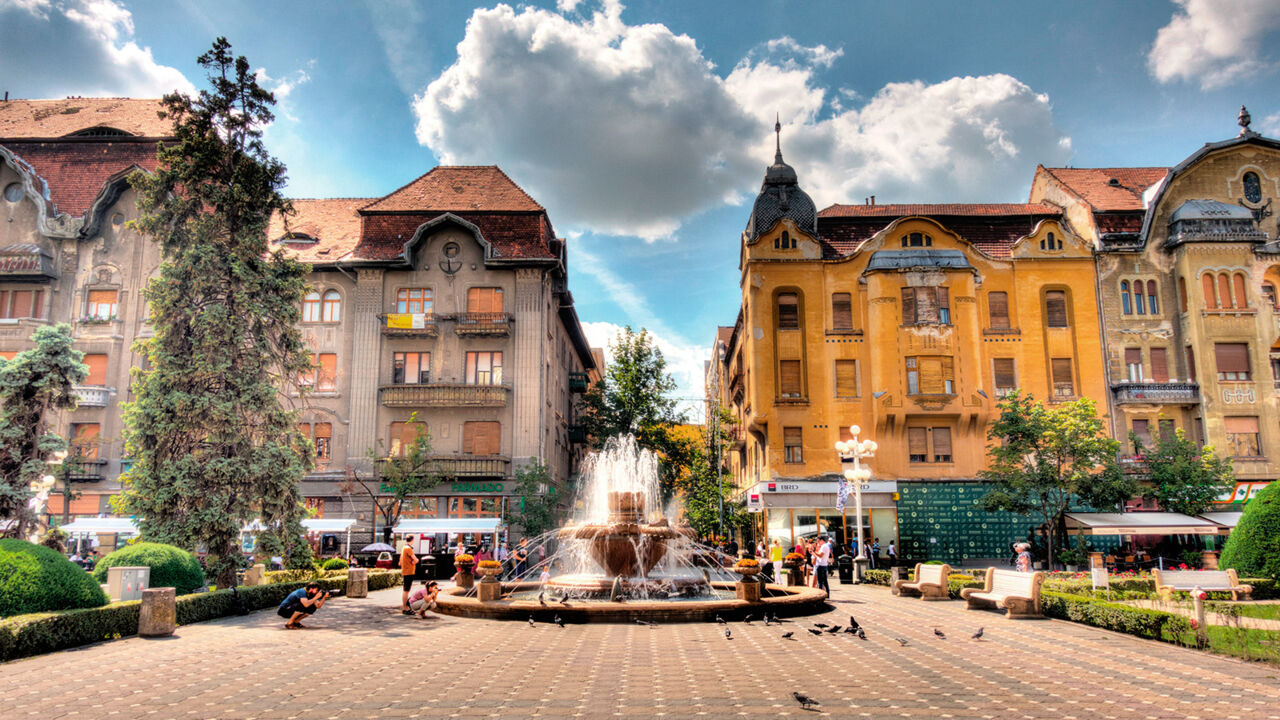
{"points": [[465, 579], [489, 573]]}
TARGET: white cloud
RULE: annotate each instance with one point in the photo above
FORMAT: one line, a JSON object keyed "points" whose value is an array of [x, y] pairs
{"points": [[628, 130], [54, 48], [282, 88], [1270, 126], [685, 362], [400, 27], [1216, 42]]}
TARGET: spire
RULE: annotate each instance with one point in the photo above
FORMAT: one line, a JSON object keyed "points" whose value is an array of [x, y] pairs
{"points": [[1243, 120], [777, 131]]}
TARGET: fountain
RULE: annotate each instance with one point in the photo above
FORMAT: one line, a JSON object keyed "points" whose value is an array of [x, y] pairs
{"points": [[619, 559]]}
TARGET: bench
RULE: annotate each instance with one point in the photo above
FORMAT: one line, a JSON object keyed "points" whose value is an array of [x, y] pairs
{"points": [[1018, 593], [1171, 581], [930, 584]]}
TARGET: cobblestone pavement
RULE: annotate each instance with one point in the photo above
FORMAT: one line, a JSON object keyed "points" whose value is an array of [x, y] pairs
{"points": [[362, 659]]}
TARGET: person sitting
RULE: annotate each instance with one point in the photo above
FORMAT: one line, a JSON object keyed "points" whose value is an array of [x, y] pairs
{"points": [[302, 602], [424, 598]]}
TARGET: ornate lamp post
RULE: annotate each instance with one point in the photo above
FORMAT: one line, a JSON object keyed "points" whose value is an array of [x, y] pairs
{"points": [[854, 452]]}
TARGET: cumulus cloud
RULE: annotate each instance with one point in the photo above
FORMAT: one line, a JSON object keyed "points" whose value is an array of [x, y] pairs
{"points": [[1215, 42], [282, 88], [95, 54], [629, 130], [1270, 125]]}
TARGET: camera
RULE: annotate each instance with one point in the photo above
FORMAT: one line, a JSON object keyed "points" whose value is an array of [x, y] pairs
{"points": [[334, 593]]}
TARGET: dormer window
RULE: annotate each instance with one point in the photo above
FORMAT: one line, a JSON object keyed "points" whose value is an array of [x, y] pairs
{"points": [[917, 240], [298, 238], [100, 132], [1051, 242], [1252, 187], [784, 242]]}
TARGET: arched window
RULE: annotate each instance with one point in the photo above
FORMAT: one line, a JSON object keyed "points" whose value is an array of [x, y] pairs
{"points": [[1224, 291], [332, 306], [1050, 242], [1126, 304], [1269, 292], [1182, 293], [1152, 304], [1139, 300], [1252, 187], [1055, 306], [311, 307], [1210, 297], [917, 240], [1242, 300]]}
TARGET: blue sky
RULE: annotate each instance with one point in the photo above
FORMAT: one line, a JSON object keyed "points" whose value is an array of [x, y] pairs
{"points": [[645, 127]]}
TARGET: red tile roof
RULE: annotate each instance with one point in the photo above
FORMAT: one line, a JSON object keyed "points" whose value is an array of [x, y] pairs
{"points": [[514, 236], [992, 228], [1109, 188], [58, 118], [941, 209], [77, 171], [333, 222], [458, 188], [1118, 222]]}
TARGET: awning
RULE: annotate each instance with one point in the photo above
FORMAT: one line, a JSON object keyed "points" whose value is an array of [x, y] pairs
{"points": [[328, 525], [124, 526], [447, 525], [1227, 521], [1138, 523]]}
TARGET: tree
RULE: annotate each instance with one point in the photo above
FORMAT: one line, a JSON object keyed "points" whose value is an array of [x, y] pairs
{"points": [[1044, 459], [213, 447], [400, 473], [33, 384], [537, 510], [1184, 478], [706, 490], [1253, 547], [635, 398]]}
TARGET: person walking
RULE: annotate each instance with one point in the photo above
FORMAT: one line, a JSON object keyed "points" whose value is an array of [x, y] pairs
{"points": [[1024, 557], [408, 568], [893, 553], [822, 560], [521, 558], [775, 556], [504, 557], [874, 555]]}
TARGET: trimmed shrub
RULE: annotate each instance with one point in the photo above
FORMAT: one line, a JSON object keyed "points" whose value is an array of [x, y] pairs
{"points": [[959, 581], [876, 577], [170, 566], [1151, 624], [285, 576], [1253, 547], [335, 564], [34, 578]]}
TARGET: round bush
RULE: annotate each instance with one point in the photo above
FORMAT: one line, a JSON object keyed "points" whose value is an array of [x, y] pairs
{"points": [[170, 566], [334, 564], [34, 578], [1253, 548]]}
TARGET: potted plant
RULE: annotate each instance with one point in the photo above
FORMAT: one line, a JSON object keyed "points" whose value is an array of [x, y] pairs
{"points": [[1070, 559], [464, 564], [748, 568], [489, 569]]}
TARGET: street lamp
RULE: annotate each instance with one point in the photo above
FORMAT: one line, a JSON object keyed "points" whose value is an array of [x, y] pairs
{"points": [[854, 451]]}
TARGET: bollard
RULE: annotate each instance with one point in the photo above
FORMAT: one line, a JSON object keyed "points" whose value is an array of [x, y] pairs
{"points": [[1202, 632], [358, 582], [158, 613]]}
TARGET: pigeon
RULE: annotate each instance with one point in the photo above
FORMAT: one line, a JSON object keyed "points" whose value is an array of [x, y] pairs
{"points": [[787, 635], [642, 622], [861, 635], [815, 632], [820, 625], [558, 621], [901, 641], [853, 623], [833, 629], [720, 620], [542, 598], [531, 622], [804, 700], [978, 635], [746, 620], [851, 630], [767, 621], [564, 600], [727, 634], [941, 635]]}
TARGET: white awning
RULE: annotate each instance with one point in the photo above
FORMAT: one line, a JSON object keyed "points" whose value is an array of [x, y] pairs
{"points": [[1138, 523], [1227, 520], [328, 525], [124, 526], [447, 525]]}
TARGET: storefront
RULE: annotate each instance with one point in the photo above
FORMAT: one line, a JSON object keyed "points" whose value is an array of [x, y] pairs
{"points": [[792, 510]]}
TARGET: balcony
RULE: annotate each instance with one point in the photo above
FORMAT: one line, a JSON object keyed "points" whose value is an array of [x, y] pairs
{"points": [[1156, 393], [1132, 464], [409, 325], [91, 395], [578, 382], [85, 469], [443, 395], [483, 323], [578, 434]]}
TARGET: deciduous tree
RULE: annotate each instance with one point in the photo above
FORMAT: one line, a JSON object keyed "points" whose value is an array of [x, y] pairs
{"points": [[399, 474], [533, 506], [1184, 478]]}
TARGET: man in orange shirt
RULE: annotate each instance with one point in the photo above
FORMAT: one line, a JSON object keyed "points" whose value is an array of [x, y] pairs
{"points": [[408, 566]]}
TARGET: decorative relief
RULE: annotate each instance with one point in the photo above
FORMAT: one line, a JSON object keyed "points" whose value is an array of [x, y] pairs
{"points": [[368, 290], [1243, 395]]}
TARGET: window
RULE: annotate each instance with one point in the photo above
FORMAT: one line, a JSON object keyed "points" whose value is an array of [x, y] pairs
{"points": [[1224, 291], [414, 300], [788, 311], [8, 354], [929, 444], [1182, 293], [13, 192], [1055, 308], [317, 505], [1126, 303], [1168, 430], [97, 369], [1050, 242], [1142, 434], [1133, 364], [846, 378], [1269, 293], [841, 311], [1242, 436], [917, 240], [85, 440], [998, 309], [311, 307], [103, 304], [332, 310], [410, 368], [1152, 303], [1063, 377], [784, 241], [1139, 300], [481, 437], [20, 303], [1233, 361], [324, 373], [484, 368], [462, 507], [404, 434], [1210, 296], [1191, 364], [321, 434], [926, 305], [420, 507], [484, 300], [931, 375], [1252, 187], [792, 445], [1241, 299], [1159, 365], [789, 380], [1006, 379], [1275, 369]]}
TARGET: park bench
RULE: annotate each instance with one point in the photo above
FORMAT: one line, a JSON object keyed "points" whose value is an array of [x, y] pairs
{"points": [[1018, 593], [930, 584], [1171, 581]]}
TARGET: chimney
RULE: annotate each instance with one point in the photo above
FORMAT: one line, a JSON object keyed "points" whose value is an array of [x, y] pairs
{"points": [[6, 96], [873, 199]]}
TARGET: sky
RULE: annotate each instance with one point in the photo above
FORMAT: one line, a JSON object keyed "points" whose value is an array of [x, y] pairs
{"points": [[644, 128]]}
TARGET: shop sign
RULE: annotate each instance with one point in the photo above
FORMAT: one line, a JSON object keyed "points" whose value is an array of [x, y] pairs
{"points": [[881, 486], [755, 503], [476, 487]]}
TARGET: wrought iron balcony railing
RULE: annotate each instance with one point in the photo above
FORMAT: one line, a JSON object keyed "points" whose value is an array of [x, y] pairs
{"points": [[456, 466], [409, 324], [443, 395], [578, 382], [1156, 392], [483, 323]]}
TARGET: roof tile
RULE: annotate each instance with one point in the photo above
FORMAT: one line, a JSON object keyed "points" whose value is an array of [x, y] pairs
{"points": [[1108, 189], [458, 188], [939, 209], [332, 222], [77, 171], [58, 118]]}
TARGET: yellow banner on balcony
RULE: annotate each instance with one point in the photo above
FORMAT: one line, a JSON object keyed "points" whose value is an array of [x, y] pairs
{"points": [[407, 321]]}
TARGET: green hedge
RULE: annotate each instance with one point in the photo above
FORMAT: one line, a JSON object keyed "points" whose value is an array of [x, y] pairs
{"points": [[1151, 624], [170, 566], [45, 632], [34, 578], [876, 577], [334, 564]]}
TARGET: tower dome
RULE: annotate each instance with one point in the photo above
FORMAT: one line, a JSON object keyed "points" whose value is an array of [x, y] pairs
{"points": [[781, 197]]}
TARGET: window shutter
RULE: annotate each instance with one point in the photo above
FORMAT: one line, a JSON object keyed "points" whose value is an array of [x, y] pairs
{"points": [[948, 372], [917, 441], [789, 378], [841, 311], [328, 377], [97, 369], [102, 297], [926, 305], [943, 297], [1061, 368], [1132, 356], [22, 304], [1242, 300], [941, 442], [1224, 291], [1167, 430], [998, 309], [324, 430], [908, 306], [1004, 373], [469, 432], [931, 376], [1055, 305], [1210, 297], [84, 440], [788, 311], [1182, 293], [1232, 357], [1159, 365], [792, 436], [1241, 425], [1142, 428], [846, 378]]}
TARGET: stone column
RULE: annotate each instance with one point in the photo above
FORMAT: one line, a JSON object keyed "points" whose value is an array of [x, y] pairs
{"points": [[358, 583], [158, 613], [365, 350], [530, 359]]}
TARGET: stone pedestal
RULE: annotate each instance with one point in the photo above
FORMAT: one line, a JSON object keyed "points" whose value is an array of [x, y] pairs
{"points": [[358, 582], [256, 575], [489, 590], [795, 576], [747, 590], [158, 614], [466, 580], [1209, 560]]}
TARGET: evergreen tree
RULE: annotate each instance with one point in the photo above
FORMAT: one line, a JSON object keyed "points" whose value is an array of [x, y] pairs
{"points": [[1184, 478], [212, 445], [33, 384], [1253, 548]]}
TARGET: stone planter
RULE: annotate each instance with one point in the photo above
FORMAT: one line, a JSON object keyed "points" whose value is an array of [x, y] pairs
{"points": [[748, 589], [464, 578], [748, 573], [794, 576], [489, 590], [488, 573]]}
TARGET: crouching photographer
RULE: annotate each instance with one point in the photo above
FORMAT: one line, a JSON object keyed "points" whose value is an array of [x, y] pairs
{"points": [[303, 602]]}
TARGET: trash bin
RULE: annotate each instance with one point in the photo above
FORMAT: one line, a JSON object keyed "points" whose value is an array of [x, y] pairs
{"points": [[844, 565], [426, 569]]}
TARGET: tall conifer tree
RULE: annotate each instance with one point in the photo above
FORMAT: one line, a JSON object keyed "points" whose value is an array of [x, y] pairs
{"points": [[213, 446]]}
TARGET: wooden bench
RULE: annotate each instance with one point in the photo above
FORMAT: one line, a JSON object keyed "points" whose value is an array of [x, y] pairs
{"points": [[930, 584], [1018, 593], [1171, 581]]}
